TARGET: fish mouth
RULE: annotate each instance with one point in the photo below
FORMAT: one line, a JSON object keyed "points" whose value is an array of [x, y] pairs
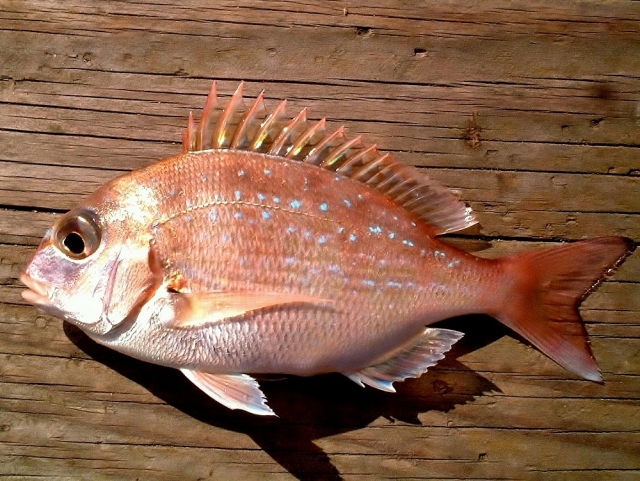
{"points": [[36, 292]]}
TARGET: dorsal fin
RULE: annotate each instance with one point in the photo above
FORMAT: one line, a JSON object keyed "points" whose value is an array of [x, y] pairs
{"points": [[252, 128]]}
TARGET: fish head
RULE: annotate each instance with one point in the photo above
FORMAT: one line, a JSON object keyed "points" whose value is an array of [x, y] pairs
{"points": [[92, 267]]}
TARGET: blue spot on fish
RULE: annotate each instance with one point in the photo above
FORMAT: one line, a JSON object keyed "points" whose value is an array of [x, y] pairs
{"points": [[241, 173], [261, 197], [324, 207], [408, 243], [348, 203], [375, 229], [276, 200], [392, 235], [238, 215], [335, 269], [289, 261], [340, 230], [322, 239], [213, 215], [266, 215], [226, 238], [267, 171], [295, 204], [440, 255], [353, 237], [369, 282], [394, 284], [291, 229], [238, 195]]}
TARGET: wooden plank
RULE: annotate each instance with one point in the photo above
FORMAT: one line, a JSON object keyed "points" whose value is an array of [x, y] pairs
{"points": [[529, 110]]}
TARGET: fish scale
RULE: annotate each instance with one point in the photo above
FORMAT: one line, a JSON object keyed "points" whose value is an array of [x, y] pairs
{"points": [[272, 245]]}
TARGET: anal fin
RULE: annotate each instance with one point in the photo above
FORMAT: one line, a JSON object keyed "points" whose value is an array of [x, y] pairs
{"points": [[411, 360], [235, 391]]}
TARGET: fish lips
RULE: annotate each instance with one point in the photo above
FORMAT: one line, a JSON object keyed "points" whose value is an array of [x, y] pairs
{"points": [[36, 292]]}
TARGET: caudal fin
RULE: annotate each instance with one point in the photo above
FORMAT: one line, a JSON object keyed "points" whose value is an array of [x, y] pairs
{"points": [[548, 287]]}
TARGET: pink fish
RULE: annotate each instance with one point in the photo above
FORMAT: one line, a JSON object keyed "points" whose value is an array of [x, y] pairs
{"points": [[271, 245]]}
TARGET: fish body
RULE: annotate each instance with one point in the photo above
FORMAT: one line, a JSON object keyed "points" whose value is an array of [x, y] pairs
{"points": [[368, 276], [270, 246]]}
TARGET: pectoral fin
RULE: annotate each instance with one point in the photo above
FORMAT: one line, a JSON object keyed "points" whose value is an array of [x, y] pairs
{"points": [[235, 391], [411, 360], [198, 309]]}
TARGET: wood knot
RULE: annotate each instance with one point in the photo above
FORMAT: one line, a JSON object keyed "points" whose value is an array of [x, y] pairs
{"points": [[471, 134]]}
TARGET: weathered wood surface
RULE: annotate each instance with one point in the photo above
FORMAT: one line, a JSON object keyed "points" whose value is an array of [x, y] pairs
{"points": [[531, 110]]}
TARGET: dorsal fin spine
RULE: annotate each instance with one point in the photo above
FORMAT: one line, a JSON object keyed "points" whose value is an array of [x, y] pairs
{"points": [[285, 133], [187, 136], [220, 134], [249, 117], [332, 162], [360, 156], [304, 139], [366, 169], [386, 177], [209, 106], [314, 155], [271, 119]]}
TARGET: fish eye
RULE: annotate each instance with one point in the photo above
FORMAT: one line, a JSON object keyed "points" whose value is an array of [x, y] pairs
{"points": [[74, 243], [77, 235]]}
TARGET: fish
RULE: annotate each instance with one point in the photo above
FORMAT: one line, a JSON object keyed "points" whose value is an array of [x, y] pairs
{"points": [[273, 245]]}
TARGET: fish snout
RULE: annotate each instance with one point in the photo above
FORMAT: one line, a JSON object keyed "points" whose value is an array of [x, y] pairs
{"points": [[36, 292]]}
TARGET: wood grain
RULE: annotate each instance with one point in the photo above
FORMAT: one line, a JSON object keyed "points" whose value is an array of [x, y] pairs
{"points": [[529, 110]]}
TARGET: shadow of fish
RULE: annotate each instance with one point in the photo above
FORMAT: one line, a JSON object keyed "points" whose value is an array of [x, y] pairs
{"points": [[271, 245]]}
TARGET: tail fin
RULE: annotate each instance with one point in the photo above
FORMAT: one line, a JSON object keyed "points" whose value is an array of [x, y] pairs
{"points": [[549, 286]]}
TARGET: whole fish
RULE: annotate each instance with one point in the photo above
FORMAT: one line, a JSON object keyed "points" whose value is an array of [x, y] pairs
{"points": [[271, 245]]}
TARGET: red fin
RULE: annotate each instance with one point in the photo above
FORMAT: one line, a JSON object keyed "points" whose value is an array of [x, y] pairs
{"points": [[253, 129], [549, 286], [197, 309], [412, 360], [236, 391]]}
